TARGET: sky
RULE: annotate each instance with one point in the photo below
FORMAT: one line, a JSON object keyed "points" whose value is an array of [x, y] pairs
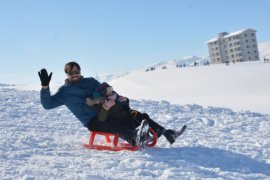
{"points": [[106, 36]]}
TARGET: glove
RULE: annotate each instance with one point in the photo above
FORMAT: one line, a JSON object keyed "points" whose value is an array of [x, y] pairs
{"points": [[44, 78]]}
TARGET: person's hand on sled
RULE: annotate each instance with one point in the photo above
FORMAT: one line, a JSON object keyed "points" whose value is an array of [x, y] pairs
{"points": [[44, 77], [108, 104]]}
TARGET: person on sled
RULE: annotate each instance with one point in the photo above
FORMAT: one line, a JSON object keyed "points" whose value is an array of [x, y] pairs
{"points": [[121, 111], [73, 94]]}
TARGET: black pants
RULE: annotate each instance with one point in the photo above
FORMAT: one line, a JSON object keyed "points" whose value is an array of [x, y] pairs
{"points": [[112, 126]]}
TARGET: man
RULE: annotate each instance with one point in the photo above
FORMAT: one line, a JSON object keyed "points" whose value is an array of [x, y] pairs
{"points": [[73, 94]]}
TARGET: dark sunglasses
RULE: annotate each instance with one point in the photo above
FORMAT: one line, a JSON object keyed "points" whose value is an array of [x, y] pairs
{"points": [[71, 73]]}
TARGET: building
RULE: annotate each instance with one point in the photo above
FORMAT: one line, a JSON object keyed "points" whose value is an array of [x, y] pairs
{"points": [[238, 46]]}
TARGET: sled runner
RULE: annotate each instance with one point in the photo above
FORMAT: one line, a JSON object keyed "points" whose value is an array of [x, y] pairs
{"points": [[113, 143]]}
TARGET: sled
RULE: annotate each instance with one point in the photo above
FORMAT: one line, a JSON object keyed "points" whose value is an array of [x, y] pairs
{"points": [[113, 143]]}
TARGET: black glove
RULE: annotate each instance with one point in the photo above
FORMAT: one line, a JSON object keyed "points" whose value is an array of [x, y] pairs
{"points": [[44, 78]]}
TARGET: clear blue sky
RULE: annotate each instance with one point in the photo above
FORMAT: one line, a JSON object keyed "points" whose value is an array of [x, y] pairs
{"points": [[107, 36]]}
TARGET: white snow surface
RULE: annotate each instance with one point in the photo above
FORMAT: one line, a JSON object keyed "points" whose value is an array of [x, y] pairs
{"points": [[219, 143], [239, 86]]}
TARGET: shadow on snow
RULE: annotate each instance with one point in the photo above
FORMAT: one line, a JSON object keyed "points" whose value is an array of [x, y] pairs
{"points": [[211, 158]]}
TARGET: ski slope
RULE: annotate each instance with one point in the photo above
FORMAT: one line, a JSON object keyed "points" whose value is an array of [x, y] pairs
{"points": [[239, 86], [220, 143]]}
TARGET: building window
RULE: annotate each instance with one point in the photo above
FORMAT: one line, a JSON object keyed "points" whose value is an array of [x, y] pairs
{"points": [[246, 40], [256, 57], [245, 35], [232, 55], [255, 51], [252, 34], [248, 52], [249, 58], [247, 46], [254, 45], [253, 40]]}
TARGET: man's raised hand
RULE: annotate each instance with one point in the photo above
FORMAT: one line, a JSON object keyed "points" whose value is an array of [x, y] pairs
{"points": [[44, 77]]}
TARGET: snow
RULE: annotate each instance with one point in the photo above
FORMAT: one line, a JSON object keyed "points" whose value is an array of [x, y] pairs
{"points": [[219, 144], [240, 86], [226, 110]]}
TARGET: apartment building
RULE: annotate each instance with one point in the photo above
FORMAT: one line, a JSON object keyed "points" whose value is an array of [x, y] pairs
{"points": [[238, 46]]}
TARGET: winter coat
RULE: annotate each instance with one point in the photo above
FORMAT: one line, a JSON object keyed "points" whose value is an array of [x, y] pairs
{"points": [[73, 96]]}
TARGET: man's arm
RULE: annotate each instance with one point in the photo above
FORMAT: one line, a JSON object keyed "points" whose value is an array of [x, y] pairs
{"points": [[48, 101]]}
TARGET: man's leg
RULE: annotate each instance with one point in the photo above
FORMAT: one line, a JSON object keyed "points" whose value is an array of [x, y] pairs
{"points": [[169, 134]]}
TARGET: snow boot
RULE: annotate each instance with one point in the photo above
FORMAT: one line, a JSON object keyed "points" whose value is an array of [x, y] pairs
{"points": [[142, 133], [171, 135]]}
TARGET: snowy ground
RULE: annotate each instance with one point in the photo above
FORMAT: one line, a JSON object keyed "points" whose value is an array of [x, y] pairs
{"points": [[239, 86], [219, 144]]}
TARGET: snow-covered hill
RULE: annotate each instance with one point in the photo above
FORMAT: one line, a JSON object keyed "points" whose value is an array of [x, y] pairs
{"points": [[2, 84], [187, 61], [240, 86], [219, 143]]}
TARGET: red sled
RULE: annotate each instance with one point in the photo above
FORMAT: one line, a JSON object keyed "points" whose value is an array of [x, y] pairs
{"points": [[114, 144]]}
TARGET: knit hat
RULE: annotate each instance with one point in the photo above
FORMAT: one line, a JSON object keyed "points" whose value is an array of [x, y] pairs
{"points": [[103, 88]]}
